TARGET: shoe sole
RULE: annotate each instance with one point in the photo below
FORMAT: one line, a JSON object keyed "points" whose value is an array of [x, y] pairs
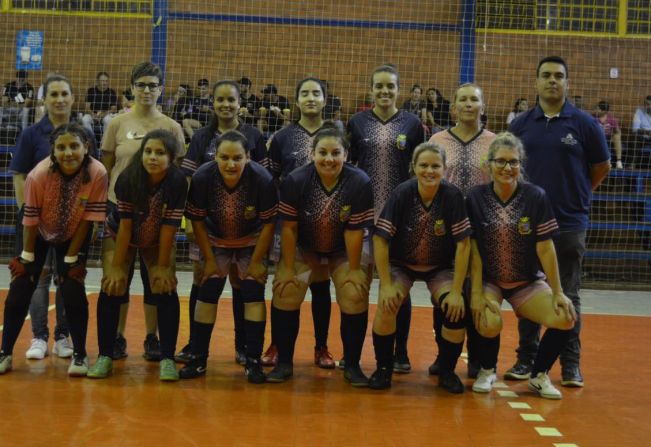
{"points": [[151, 358], [482, 390], [401, 370], [169, 379], [543, 395], [572, 383], [278, 379], [97, 376], [356, 384], [326, 366], [62, 356], [32, 357], [513, 376], [78, 374]]}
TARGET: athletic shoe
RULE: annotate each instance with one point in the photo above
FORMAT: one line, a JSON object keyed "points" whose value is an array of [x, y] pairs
{"points": [[102, 368], [78, 366], [119, 347], [401, 364], [63, 348], [168, 372], [38, 349], [473, 370], [433, 369], [185, 355], [270, 356], [240, 356], [619, 165], [519, 371], [281, 373], [254, 372], [5, 363], [355, 376], [194, 368], [543, 386], [381, 379], [341, 364], [485, 380], [451, 382], [323, 359], [152, 348], [572, 378]]}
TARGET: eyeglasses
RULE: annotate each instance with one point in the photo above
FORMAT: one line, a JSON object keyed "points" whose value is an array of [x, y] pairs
{"points": [[141, 86], [501, 163]]}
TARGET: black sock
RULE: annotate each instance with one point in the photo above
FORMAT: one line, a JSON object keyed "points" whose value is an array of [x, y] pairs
{"points": [[472, 340], [254, 338], [192, 305], [438, 316], [403, 323], [353, 332], [16, 308], [551, 345], [383, 346], [449, 355], [287, 325], [321, 310], [201, 338], [238, 319], [76, 306], [487, 351], [168, 323], [108, 318]]}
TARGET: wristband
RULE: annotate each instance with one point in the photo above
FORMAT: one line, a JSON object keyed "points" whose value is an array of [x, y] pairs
{"points": [[70, 259], [27, 256]]}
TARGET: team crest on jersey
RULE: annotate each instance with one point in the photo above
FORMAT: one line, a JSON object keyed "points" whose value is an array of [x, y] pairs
{"points": [[83, 201], [569, 140], [250, 212], [401, 142], [524, 226], [163, 209], [345, 212], [439, 227]]}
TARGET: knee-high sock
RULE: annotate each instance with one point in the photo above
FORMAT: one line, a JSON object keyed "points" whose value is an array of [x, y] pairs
{"points": [[353, 331], [168, 323], [254, 338], [287, 324], [551, 345], [108, 317], [321, 310], [403, 324], [238, 319], [192, 305], [487, 351], [383, 346]]}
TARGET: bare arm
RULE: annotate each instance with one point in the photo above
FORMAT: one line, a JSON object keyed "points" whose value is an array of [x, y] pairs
{"points": [[19, 189], [598, 173], [354, 240], [547, 256]]}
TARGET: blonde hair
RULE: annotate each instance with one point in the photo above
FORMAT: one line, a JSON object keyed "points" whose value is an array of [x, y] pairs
{"points": [[508, 141]]}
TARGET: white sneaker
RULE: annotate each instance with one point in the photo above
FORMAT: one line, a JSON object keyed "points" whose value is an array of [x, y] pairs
{"points": [[5, 363], [619, 165], [38, 350], [543, 386], [63, 348], [78, 367], [485, 380]]}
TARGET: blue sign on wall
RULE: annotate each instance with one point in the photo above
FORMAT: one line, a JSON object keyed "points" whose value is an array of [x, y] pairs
{"points": [[29, 50]]}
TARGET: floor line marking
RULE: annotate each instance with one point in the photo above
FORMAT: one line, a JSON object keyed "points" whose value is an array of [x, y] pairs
{"points": [[566, 445], [548, 431], [532, 417], [507, 393], [520, 405]]}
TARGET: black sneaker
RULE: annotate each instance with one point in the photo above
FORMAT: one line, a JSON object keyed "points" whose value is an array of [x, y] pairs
{"points": [[120, 347], [473, 370], [451, 383], [254, 372], [401, 364], [519, 371], [193, 369], [281, 373], [433, 369], [240, 356], [355, 376], [184, 356], [381, 379], [152, 348], [572, 378]]}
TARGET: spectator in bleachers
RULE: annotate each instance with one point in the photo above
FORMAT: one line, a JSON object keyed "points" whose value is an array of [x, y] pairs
{"points": [[577, 100], [438, 111], [416, 104], [611, 129], [274, 112], [521, 105], [17, 100], [126, 100], [642, 131], [249, 103], [101, 104], [367, 103], [180, 103], [332, 108], [201, 109]]}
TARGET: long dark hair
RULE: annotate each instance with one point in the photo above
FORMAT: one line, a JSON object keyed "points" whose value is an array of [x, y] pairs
{"points": [[136, 174], [79, 132], [213, 122]]}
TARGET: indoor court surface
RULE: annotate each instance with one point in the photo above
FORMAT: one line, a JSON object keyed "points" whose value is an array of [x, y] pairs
{"points": [[42, 406]]}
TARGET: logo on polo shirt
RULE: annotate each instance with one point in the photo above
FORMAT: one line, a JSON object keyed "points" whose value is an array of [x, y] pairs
{"points": [[439, 227], [569, 140], [524, 226]]}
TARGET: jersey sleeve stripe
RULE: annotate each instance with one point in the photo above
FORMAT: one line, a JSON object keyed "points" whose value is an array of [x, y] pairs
{"points": [[287, 209]]}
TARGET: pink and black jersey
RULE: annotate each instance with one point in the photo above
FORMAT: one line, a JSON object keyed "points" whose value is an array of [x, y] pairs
{"points": [[58, 203], [466, 163], [164, 207], [290, 148], [383, 149], [422, 235], [323, 215], [233, 217], [203, 147], [507, 233]]}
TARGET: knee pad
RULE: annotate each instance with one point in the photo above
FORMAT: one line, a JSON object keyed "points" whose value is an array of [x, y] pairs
{"points": [[211, 290], [320, 289], [251, 291], [461, 324], [74, 293], [149, 298]]}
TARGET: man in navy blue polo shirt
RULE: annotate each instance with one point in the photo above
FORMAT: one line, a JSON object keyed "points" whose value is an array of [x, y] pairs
{"points": [[568, 156]]}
